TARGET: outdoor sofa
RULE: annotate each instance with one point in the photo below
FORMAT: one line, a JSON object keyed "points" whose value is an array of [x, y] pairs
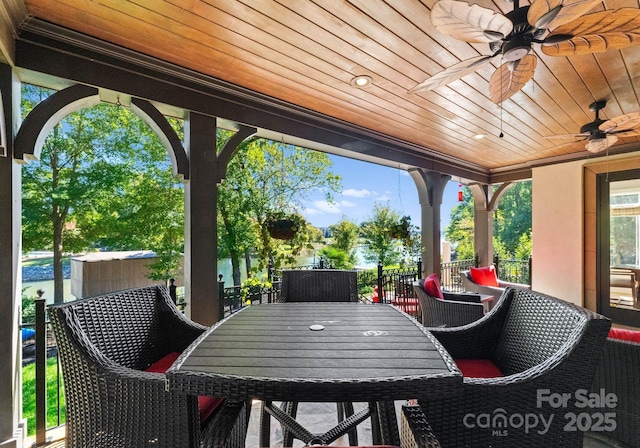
{"points": [[114, 349], [517, 361]]}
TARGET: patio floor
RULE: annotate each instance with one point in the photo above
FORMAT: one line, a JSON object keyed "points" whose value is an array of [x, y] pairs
{"points": [[315, 417]]}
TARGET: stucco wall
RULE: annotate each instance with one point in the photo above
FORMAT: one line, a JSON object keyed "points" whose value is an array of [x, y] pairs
{"points": [[557, 231]]}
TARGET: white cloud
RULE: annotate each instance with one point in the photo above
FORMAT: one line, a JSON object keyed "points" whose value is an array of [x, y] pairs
{"points": [[352, 192], [320, 207]]}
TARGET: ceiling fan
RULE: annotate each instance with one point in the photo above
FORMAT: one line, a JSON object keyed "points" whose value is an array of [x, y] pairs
{"points": [[513, 34], [601, 134]]}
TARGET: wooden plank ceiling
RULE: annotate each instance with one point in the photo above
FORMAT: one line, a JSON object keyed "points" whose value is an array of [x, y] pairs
{"points": [[306, 52]]}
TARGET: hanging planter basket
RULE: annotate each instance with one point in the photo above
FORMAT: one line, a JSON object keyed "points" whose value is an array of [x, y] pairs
{"points": [[400, 231], [282, 229]]}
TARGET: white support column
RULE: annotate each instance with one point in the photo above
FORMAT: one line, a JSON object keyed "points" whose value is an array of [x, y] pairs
{"points": [[12, 429], [201, 194], [430, 187]]}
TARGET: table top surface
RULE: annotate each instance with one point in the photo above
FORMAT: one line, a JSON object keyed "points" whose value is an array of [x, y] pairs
{"points": [[316, 352]]}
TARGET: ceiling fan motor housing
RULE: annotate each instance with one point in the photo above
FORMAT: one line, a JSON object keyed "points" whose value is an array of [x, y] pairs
{"points": [[518, 43]]}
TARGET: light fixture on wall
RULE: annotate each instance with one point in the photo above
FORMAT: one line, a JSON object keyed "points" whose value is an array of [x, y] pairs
{"points": [[361, 81]]}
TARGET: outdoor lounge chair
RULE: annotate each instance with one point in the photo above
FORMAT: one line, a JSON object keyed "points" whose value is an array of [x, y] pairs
{"points": [[469, 285], [452, 310], [517, 362], [113, 349]]}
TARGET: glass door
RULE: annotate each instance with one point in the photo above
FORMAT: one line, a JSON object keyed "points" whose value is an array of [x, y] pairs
{"points": [[619, 246]]}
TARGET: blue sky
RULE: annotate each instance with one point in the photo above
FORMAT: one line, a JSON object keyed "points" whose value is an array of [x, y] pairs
{"points": [[364, 184]]}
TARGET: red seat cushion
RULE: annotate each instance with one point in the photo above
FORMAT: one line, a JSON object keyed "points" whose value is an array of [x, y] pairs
{"points": [[206, 405], [432, 286], [625, 335], [478, 368], [485, 276]]}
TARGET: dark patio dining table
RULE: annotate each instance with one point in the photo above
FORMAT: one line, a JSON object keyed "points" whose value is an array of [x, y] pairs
{"points": [[317, 352]]}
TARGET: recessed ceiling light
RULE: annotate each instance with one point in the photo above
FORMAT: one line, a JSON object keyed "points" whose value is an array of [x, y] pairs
{"points": [[478, 136], [361, 81]]}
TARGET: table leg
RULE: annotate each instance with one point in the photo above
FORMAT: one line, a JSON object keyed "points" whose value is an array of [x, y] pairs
{"points": [[388, 423], [265, 426], [345, 410], [289, 408]]}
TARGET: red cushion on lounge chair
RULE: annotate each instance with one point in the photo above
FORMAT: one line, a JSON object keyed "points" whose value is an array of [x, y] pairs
{"points": [[432, 286], [478, 368], [625, 335], [485, 276], [206, 405]]}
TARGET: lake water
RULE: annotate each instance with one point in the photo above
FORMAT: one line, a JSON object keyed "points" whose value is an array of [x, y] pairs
{"points": [[224, 268]]}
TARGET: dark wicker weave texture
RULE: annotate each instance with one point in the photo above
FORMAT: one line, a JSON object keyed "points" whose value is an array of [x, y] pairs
{"points": [[454, 311], [618, 373], [540, 343], [319, 285], [415, 430], [105, 343]]}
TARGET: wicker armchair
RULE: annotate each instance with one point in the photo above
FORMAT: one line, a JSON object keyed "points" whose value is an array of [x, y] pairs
{"points": [[455, 310], [319, 285], [617, 373], [541, 345], [105, 345]]}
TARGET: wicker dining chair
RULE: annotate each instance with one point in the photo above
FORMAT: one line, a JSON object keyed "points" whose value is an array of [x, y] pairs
{"points": [[539, 345], [317, 285], [106, 343]]}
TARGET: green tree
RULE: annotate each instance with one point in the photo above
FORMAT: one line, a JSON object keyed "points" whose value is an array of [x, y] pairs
{"points": [[378, 246], [512, 219], [345, 237], [103, 179], [459, 232], [263, 178]]}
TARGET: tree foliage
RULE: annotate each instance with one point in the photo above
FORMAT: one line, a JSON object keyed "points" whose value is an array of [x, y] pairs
{"points": [[345, 235], [511, 224], [378, 245], [266, 178], [103, 179]]}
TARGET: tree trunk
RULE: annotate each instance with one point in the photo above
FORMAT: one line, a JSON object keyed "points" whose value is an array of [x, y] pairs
{"points": [[235, 265], [247, 261]]}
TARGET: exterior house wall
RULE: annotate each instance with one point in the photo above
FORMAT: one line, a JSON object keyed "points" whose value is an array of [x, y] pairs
{"points": [[564, 226], [557, 231]]}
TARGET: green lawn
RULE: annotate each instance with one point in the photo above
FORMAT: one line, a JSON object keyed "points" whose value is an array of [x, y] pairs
{"points": [[29, 395]]}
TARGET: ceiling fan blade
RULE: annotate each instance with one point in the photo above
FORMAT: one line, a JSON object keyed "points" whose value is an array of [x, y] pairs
{"points": [[598, 32], [505, 82], [469, 22], [578, 137], [454, 72], [600, 144], [623, 123], [542, 12]]}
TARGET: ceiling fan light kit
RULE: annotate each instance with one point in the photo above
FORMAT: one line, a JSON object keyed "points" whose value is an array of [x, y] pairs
{"points": [[601, 134], [562, 27]]}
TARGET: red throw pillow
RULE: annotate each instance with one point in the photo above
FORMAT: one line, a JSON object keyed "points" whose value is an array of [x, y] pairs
{"points": [[432, 286], [206, 405], [478, 368], [485, 276], [625, 335]]}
